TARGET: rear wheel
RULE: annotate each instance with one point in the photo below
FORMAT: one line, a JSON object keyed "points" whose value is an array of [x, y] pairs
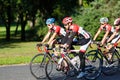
{"points": [[93, 66], [111, 67], [37, 66]]}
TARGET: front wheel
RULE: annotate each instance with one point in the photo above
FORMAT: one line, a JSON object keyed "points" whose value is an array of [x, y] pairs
{"points": [[37, 66]]}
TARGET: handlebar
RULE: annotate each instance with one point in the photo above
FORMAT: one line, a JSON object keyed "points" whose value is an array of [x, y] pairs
{"points": [[98, 44], [43, 47]]}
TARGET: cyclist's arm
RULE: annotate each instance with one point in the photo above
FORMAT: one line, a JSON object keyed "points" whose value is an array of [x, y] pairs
{"points": [[113, 35], [46, 37], [118, 41], [104, 37], [96, 35], [52, 37], [70, 39]]}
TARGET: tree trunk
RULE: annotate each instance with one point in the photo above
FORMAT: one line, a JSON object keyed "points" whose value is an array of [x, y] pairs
{"points": [[8, 22], [16, 30], [23, 30], [23, 24], [33, 21], [80, 2]]}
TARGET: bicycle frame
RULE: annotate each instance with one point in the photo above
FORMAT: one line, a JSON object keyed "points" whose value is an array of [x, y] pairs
{"points": [[99, 51], [47, 53], [64, 56]]}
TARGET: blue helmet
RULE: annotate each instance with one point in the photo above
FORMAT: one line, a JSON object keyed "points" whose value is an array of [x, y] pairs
{"points": [[50, 20]]}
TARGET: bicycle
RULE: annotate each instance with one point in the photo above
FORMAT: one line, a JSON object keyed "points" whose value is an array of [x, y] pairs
{"points": [[111, 66], [93, 69], [38, 62]]}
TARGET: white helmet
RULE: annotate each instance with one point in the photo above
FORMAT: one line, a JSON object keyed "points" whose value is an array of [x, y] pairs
{"points": [[104, 20], [117, 22]]}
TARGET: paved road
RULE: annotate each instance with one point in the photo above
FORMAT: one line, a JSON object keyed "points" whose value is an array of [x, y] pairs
{"points": [[22, 72]]}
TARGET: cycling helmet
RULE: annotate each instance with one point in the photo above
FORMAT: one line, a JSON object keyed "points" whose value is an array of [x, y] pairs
{"points": [[50, 20], [103, 20], [66, 20], [117, 22]]}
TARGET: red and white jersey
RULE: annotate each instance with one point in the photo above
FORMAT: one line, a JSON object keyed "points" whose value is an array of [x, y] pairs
{"points": [[79, 30], [58, 30], [117, 29], [106, 27]]}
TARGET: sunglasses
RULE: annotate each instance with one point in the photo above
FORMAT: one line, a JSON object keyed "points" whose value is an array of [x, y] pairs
{"points": [[65, 24], [102, 23], [48, 25]]}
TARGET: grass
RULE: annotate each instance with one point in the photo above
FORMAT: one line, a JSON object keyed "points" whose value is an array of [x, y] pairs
{"points": [[17, 53]]}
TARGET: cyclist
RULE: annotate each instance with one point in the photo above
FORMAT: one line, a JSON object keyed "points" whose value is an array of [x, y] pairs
{"points": [[73, 30], [55, 30], [105, 27], [115, 37]]}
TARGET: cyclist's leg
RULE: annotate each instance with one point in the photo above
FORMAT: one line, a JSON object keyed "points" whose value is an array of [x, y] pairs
{"points": [[116, 39], [83, 49]]}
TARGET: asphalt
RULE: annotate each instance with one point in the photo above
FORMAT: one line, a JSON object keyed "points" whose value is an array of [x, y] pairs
{"points": [[22, 72]]}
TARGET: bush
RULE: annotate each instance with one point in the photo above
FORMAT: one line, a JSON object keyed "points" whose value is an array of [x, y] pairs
{"points": [[89, 17]]}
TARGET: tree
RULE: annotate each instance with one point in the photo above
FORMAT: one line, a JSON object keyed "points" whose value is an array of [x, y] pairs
{"points": [[6, 16]]}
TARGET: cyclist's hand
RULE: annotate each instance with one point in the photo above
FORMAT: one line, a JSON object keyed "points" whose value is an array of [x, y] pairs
{"points": [[38, 45], [93, 41], [47, 45], [99, 43]]}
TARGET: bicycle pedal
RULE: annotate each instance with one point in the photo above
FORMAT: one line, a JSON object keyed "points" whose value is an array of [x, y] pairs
{"points": [[111, 62], [71, 73], [58, 69]]}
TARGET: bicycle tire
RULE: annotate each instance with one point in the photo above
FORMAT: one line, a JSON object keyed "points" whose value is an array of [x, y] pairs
{"points": [[54, 74], [113, 67], [106, 70], [90, 75], [93, 66], [37, 66]]}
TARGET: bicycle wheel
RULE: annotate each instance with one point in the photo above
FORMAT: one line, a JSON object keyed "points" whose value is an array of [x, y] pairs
{"points": [[52, 71], [96, 53], [37, 66], [110, 68], [93, 66]]}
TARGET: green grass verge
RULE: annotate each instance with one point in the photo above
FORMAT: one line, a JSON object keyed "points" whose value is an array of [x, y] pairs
{"points": [[17, 52]]}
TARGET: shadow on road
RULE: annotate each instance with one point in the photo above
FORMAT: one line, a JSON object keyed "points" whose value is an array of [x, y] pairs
{"points": [[115, 76]]}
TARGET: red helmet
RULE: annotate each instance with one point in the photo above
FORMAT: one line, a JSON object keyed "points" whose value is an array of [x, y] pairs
{"points": [[117, 22], [66, 20]]}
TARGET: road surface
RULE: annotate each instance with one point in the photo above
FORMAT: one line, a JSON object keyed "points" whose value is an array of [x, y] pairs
{"points": [[22, 72]]}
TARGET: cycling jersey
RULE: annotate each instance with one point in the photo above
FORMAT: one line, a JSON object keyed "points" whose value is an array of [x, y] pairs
{"points": [[57, 29], [107, 27], [117, 36], [82, 35], [117, 29]]}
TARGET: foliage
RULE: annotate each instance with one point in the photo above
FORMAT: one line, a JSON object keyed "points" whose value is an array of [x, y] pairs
{"points": [[36, 11], [89, 17]]}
